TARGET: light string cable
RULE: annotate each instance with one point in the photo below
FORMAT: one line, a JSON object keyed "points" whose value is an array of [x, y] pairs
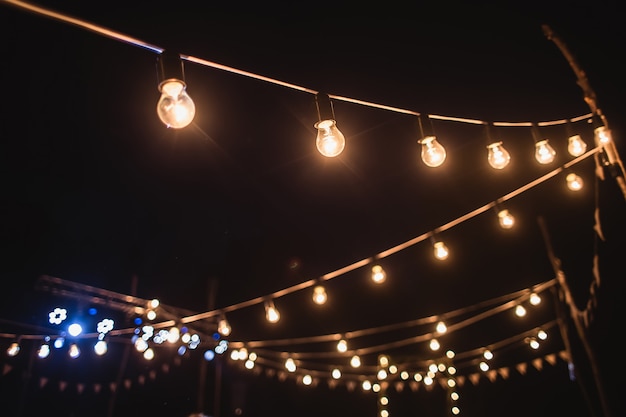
{"points": [[363, 262], [353, 334], [134, 41]]}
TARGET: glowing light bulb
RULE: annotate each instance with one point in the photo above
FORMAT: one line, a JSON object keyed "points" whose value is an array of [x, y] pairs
{"points": [[498, 157], [290, 364], [13, 349], [319, 295], [441, 251], [223, 327], [355, 362], [330, 141], [378, 274], [271, 313], [602, 135], [441, 327], [433, 154], [574, 182], [576, 146], [544, 153], [342, 346], [175, 108], [434, 344], [506, 219]]}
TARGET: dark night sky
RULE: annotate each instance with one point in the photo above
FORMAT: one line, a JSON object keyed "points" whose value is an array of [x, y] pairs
{"points": [[95, 190]]}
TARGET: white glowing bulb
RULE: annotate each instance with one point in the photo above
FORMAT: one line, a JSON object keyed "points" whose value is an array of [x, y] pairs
{"points": [[100, 347], [576, 146], [506, 219], [534, 299], [330, 141], [602, 135], [487, 354], [434, 344], [13, 349], [175, 108], [336, 373], [319, 295], [574, 182], [148, 354], [378, 274], [290, 364], [498, 157], [342, 346], [544, 152], [271, 313], [223, 327], [433, 154], [307, 379], [441, 327], [44, 351], [441, 251], [520, 311], [355, 361], [74, 351]]}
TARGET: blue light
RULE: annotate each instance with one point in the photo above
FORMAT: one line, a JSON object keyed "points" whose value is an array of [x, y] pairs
{"points": [[209, 355], [93, 311], [138, 321]]}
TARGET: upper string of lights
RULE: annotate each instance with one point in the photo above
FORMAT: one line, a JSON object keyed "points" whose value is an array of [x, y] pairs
{"points": [[176, 110]]}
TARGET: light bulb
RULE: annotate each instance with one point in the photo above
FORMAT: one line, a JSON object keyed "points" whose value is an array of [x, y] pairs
{"points": [[175, 108], [271, 313], [498, 157], [330, 141], [574, 182], [433, 154], [544, 153], [602, 135], [441, 250], [378, 274], [506, 219], [223, 327], [319, 295], [342, 346], [576, 146]]}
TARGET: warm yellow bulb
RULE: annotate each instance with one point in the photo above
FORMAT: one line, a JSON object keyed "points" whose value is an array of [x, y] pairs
{"points": [[378, 274], [576, 146], [441, 251], [498, 157], [544, 152], [330, 141], [574, 182], [175, 108], [505, 219], [319, 295], [433, 154]]}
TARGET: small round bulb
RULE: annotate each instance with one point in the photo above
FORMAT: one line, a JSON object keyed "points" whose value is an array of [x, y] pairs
{"points": [[498, 157], [433, 154], [175, 108], [544, 153], [576, 146], [330, 141]]}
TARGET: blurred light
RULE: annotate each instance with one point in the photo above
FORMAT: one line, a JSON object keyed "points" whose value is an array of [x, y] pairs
{"points": [[434, 344], [100, 347], [576, 146], [534, 299], [342, 346], [74, 351], [290, 364], [43, 351], [57, 316], [336, 373], [307, 380], [209, 355], [506, 219], [14, 349], [74, 329], [574, 182], [378, 274], [542, 335], [355, 361], [441, 327], [520, 311], [498, 157], [271, 313], [148, 354], [484, 366], [441, 251], [223, 327], [544, 152], [319, 295]]}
